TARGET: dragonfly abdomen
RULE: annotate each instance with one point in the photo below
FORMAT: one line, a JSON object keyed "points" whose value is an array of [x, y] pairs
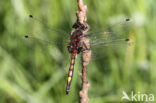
{"points": [[70, 72]]}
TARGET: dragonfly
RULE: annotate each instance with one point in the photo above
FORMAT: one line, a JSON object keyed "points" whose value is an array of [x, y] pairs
{"points": [[77, 45]]}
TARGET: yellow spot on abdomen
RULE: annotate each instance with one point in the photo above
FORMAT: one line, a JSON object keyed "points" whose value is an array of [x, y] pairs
{"points": [[71, 66], [69, 79], [70, 73], [72, 62]]}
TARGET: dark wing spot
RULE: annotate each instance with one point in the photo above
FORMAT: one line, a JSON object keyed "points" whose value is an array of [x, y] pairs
{"points": [[30, 16], [127, 19], [127, 39], [26, 36]]}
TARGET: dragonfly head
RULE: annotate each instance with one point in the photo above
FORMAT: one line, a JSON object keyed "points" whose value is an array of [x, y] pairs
{"points": [[81, 26]]}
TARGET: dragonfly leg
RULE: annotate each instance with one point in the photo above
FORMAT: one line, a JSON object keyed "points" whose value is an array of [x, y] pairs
{"points": [[85, 46]]}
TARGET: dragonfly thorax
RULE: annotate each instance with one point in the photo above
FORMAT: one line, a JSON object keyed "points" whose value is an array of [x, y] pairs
{"points": [[74, 45]]}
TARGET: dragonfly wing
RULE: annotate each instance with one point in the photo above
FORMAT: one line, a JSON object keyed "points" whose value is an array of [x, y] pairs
{"points": [[46, 25], [120, 29], [45, 42], [102, 48]]}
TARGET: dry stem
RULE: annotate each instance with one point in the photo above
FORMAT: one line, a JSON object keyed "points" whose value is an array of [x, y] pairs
{"points": [[81, 17]]}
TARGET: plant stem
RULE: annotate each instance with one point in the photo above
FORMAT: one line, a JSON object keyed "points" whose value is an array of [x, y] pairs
{"points": [[86, 54]]}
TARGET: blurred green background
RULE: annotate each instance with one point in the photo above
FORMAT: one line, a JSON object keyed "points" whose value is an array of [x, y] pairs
{"points": [[34, 72]]}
